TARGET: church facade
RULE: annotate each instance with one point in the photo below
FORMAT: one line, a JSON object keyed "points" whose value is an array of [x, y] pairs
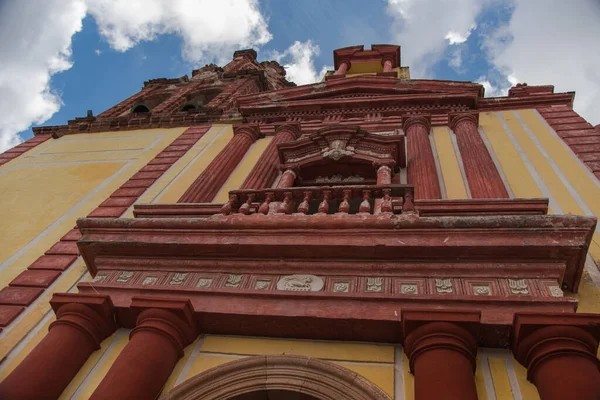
{"points": [[231, 235]]}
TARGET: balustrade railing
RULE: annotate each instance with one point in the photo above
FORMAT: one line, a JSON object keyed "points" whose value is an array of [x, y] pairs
{"points": [[347, 199]]}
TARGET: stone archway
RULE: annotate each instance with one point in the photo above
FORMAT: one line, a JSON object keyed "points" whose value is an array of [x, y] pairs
{"points": [[262, 375]]}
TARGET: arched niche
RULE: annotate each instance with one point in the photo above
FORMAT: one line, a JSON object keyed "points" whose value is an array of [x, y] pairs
{"points": [[140, 108], [298, 377]]}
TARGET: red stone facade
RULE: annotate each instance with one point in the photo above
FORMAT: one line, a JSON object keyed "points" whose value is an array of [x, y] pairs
{"points": [[336, 248]]}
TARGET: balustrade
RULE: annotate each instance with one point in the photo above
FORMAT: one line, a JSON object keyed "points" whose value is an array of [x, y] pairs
{"points": [[347, 199]]}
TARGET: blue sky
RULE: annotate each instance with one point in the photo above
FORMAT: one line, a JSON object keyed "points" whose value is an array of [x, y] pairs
{"points": [[99, 52]]}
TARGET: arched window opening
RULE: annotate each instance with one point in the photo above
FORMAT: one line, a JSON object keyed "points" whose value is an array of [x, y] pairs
{"points": [[188, 107], [140, 108]]}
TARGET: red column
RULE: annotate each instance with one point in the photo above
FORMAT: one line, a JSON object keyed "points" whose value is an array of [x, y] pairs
{"points": [[287, 179], [265, 171], [207, 185], [442, 357], [483, 177], [387, 65], [82, 323], [560, 354], [163, 329], [343, 68], [420, 169]]}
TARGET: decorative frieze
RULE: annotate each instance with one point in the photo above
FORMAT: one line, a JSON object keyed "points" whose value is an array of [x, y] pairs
{"points": [[300, 283], [443, 285], [518, 286], [374, 284], [124, 276]]}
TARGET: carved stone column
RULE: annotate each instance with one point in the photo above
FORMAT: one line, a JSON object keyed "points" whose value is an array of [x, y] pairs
{"points": [[343, 68], [82, 323], [287, 179], [482, 176], [384, 177], [210, 181], [163, 329], [559, 352], [442, 354], [266, 169], [420, 170]]}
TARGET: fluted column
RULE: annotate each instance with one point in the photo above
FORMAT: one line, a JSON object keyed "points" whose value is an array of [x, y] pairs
{"points": [[163, 329], [482, 176], [266, 169], [343, 68], [420, 170], [560, 354], [82, 323], [442, 358], [210, 181]]}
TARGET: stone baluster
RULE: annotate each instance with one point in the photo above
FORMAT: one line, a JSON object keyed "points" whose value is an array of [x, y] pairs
{"points": [[285, 207], [344, 206], [386, 204], [559, 352], [482, 176], [210, 181], [266, 205], [384, 177], [304, 206], [408, 206], [82, 323], [245, 208], [266, 168], [230, 205], [365, 205], [420, 169], [324, 205], [442, 355], [163, 329]]}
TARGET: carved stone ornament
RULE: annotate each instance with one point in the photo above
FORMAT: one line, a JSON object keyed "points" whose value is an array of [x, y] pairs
{"points": [[481, 290], [300, 283], [518, 286], [408, 288], [149, 280], [178, 278], [204, 282], [555, 291], [339, 179], [124, 276], [341, 287], [375, 284], [337, 149], [262, 285], [233, 281], [443, 285], [99, 278]]}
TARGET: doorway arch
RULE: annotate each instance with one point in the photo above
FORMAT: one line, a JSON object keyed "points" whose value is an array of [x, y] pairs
{"points": [[273, 374]]}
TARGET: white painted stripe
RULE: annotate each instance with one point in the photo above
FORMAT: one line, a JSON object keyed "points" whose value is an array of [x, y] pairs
{"points": [[438, 167], [512, 378], [120, 333], [399, 392], [582, 165], [532, 171], [188, 365], [487, 374], [580, 202], [188, 166], [66, 215], [487, 144], [460, 162]]}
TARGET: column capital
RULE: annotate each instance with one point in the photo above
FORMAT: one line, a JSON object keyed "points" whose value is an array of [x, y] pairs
{"points": [[91, 314], [455, 119], [410, 120], [537, 337], [252, 131], [293, 128], [173, 318], [424, 330]]}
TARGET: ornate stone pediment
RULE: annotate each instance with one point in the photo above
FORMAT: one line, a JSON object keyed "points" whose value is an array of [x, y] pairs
{"points": [[342, 145]]}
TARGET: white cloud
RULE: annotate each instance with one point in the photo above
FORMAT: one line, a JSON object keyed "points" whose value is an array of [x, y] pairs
{"points": [[560, 48], [98, 52], [35, 43], [209, 29], [425, 28], [298, 61]]}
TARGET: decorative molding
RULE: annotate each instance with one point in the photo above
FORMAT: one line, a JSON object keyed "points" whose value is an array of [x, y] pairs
{"points": [[300, 283]]}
